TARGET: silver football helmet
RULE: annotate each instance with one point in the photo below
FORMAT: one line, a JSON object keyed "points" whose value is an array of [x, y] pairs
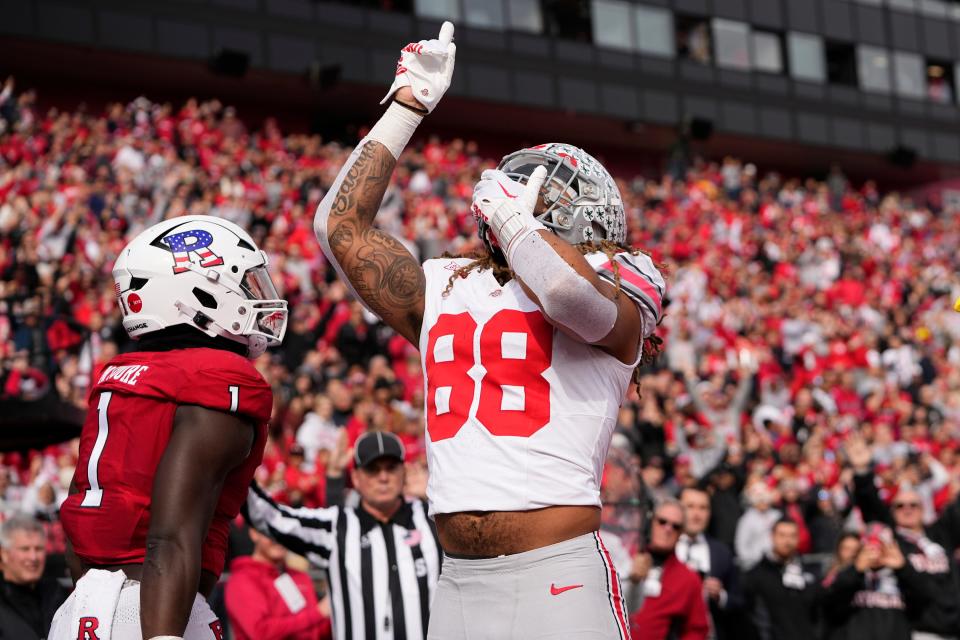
{"points": [[583, 201]]}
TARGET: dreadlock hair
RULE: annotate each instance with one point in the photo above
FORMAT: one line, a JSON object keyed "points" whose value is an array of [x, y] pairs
{"points": [[652, 345]]}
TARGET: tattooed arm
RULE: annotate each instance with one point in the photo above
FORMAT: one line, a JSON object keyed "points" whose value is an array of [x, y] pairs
{"points": [[380, 270]]}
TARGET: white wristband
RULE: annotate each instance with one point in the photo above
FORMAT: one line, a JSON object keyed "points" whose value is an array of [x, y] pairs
{"points": [[395, 128], [167, 638], [510, 227]]}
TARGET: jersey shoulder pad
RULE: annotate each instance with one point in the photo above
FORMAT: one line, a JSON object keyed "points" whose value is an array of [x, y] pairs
{"points": [[224, 381], [639, 278]]}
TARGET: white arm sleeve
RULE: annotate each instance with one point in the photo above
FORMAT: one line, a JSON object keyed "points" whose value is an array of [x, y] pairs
{"points": [[565, 296]]}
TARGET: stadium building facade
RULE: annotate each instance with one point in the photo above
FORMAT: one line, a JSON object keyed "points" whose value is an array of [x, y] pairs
{"points": [[869, 83]]}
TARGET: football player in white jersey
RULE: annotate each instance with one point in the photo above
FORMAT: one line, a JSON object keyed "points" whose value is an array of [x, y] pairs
{"points": [[528, 351]]}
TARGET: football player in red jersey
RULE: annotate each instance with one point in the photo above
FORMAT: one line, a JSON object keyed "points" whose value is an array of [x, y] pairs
{"points": [[528, 348], [173, 435]]}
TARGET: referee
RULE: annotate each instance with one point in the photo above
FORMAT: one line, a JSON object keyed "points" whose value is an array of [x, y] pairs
{"points": [[382, 557]]}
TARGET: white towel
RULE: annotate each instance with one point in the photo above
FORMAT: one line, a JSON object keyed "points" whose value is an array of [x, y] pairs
{"points": [[91, 606]]}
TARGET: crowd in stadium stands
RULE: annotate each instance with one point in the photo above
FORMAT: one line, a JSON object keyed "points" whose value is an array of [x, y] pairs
{"points": [[803, 315]]}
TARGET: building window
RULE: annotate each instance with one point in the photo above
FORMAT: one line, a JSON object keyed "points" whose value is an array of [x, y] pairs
{"points": [[940, 81], [485, 14], [524, 15], [611, 24], [908, 5], [654, 28], [873, 68], [731, 41], [568, 19], [841, 64], [767, 52], [934, 8], [692, 35], [438, 9], [806, 57], [909, 75]]}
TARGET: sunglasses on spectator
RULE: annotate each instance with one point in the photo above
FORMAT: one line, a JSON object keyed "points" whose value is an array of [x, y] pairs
{"points": [[676, 526], [906, 505]]}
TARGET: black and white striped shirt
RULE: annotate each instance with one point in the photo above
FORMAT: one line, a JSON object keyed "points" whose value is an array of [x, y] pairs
{"points": [[382, 576]]}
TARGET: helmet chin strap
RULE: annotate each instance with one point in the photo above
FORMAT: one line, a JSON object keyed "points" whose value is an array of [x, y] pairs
{"points": [[256, 345], [199, 319]]}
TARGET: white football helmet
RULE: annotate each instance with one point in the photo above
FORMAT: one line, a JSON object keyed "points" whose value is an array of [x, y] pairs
{"points": [[583, 201], [203, 272]]}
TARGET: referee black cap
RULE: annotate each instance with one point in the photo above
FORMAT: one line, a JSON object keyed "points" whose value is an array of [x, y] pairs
{"points": [[377, 444]]}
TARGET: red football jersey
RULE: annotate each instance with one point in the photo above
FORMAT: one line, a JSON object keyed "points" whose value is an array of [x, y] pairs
{"points": [[128, 425]]}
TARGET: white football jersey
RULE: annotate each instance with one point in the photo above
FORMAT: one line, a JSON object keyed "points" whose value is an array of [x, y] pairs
{"points": [[519, 415]]}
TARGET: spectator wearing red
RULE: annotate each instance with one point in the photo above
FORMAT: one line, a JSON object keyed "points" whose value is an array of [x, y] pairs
{"points": [[24, 381], [268, 601], [672, 595]]}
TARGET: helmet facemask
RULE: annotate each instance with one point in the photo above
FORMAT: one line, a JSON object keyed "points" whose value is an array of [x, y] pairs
{"points": [[582, 202]]}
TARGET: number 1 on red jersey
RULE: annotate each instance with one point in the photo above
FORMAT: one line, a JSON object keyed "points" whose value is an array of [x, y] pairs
{"points": [[93, 496]]}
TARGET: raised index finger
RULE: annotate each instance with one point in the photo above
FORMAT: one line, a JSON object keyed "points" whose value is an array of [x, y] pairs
{"points": [[446, 33]]}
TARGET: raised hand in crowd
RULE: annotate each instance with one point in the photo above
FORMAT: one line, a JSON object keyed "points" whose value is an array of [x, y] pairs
{"points": [[891, 556], [858, 453], [869, 557], [340, 456]]}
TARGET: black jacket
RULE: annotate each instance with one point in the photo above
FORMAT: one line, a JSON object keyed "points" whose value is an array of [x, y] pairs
{"points": [[781, 612], [869, 606], [936, 609], [725, 510], [726, 618], [26, 614]]}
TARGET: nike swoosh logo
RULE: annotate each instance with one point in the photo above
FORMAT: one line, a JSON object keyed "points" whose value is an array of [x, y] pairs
{"points": [[555, 590], [504, 189]]}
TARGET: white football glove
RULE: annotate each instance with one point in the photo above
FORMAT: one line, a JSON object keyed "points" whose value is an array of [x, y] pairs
{"points": [[508, 206], [427, 68]]}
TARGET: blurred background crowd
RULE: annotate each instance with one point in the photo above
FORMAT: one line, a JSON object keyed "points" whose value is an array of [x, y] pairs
{"points": [[803, 314]]}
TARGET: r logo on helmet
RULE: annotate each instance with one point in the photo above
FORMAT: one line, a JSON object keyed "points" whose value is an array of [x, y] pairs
{"points": [[187, 243]]}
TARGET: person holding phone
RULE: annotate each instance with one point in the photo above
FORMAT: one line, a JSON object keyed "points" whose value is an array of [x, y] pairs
{"points": [[868, 599], [927, 548]]}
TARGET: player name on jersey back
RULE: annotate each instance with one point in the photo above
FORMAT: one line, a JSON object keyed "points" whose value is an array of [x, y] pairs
{"points": [[519, 415], [126, 374]]}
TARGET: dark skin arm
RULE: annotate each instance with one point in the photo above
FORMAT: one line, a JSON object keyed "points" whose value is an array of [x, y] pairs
{"points": [[381, 270], [73, 562], [204, 447]]}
